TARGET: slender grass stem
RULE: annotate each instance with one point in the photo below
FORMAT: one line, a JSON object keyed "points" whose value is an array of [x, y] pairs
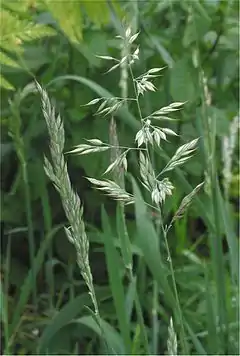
{"points": [[15, 126], [4, 301], [30, 226], [178, 306], [140, 317], [47, 216], [135, 91]]}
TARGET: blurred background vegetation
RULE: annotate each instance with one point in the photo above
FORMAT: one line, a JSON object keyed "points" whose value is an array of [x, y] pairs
{"points": [[56, 42]]}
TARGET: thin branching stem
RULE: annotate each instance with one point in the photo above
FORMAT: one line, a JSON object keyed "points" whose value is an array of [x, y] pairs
{"points": [[179, 310], [148, 136]]}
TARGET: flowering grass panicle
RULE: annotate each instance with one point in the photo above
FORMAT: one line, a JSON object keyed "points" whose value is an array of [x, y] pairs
{"points": [[147, 139], [172, 340]]}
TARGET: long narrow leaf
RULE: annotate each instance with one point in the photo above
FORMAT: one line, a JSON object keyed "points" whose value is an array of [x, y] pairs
{"points": [[116, 284], [123, 113], [26, 289], [67, 314], [113, 338]]}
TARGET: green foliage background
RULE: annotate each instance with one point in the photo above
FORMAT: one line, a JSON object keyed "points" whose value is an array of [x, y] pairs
{"points": [[56, 42]]}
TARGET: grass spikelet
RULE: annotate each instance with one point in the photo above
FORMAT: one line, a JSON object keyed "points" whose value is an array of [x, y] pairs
{"points": [[172, 340]]}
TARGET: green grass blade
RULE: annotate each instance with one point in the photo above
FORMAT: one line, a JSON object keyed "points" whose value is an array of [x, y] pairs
{"points": [[26, 289], [47, 216], [4, 316], [230, 235], [199, 348], [70, 311], [123, 113], [115, 281], [212, 336], [124, 237], [219, 270], [113, 338], [130, 296]]}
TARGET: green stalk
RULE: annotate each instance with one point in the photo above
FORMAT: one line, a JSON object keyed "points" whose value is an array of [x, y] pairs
{"points": [[178, 306], [47, 216], [141, 319], [30, 225], [121, 221], [155, 308], [15, 126], [4, 302]]}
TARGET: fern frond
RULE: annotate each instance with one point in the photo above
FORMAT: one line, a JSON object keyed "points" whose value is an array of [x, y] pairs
{"points": [[14, 32], [5, 83], [7, 61]]}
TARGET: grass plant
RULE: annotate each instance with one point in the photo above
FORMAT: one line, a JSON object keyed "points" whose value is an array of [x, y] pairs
{"points": [[119, 219], [157, 184]]}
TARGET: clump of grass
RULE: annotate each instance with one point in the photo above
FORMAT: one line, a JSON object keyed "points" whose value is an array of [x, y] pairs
{"points": [[148, 139]]}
